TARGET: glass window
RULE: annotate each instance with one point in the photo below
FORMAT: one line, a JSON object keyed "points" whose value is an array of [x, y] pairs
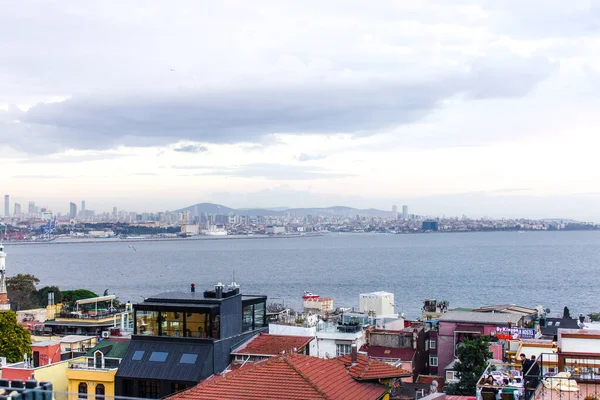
{"points": [[188, 358], [197, 325], [433, 361], [137, 356], [158, 356], [82, 389], [216, 327], [171, 323], [147, 322], [259, 315], [149, 389], [343, 349], [247, 318], [100, 390], [432, 344]]}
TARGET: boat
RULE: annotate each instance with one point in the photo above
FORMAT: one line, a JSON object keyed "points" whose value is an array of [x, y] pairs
{"points": [[309, 295]]}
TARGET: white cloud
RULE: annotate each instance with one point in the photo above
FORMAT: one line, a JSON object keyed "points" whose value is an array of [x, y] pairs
{"points": [[431, 97]]}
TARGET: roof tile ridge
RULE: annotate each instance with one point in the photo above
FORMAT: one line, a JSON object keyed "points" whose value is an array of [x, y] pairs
{"points": [[237, 372], [303, 375]]}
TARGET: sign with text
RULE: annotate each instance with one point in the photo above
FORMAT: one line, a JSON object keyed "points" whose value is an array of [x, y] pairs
{"points": [[503, 332]]}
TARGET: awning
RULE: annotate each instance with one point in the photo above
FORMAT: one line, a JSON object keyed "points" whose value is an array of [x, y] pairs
{"points": [[96, 299]]}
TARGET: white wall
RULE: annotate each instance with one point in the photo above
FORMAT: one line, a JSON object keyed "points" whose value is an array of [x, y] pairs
{"points": [[381, 302]]}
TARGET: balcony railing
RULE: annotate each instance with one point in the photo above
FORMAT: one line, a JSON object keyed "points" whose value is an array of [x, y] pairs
{"points": [[87, 315], [553, 377]]}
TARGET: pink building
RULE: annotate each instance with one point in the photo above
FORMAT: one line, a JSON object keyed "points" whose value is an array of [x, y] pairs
{"points": [[455, 326]]}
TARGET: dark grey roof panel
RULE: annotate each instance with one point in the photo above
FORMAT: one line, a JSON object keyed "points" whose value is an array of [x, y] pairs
{"points": [[171, 368]]}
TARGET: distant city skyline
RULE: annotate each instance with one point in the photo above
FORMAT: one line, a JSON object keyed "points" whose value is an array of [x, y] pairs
{"points": [[422, 207], [454, 107]]}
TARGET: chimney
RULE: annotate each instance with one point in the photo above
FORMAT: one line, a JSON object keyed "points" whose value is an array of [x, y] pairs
{"points": [[193, 288], [219, 290], [354, 353]]}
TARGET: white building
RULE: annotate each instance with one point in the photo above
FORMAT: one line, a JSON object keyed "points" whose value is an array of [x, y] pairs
{"points": [[382, 303], [274, 230]]}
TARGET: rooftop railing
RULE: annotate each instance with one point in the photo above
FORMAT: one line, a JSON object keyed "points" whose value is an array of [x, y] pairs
{"points": [[93, 315]]}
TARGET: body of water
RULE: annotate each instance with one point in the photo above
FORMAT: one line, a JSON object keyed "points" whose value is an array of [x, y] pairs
{"points": [[553, 269]]}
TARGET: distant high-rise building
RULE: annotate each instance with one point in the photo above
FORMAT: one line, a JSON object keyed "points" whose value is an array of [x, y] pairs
{"points": [[405, 212], [115, 214], [17, 210], [395, 211], [83, 206], [6, 205], [72, 210], [31, 207]]}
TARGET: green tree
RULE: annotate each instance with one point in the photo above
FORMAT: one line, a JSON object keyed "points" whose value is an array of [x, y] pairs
{"points": [[473, 355], [20, 289], [594, 317], [15, 341], [40, 297], [566, 313], [71, 296]]}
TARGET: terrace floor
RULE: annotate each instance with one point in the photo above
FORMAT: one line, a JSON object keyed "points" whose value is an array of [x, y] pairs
{"points": [[585, 390]]}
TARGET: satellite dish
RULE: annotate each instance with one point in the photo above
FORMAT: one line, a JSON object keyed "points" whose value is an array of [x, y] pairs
{"points": [[547, 311]]}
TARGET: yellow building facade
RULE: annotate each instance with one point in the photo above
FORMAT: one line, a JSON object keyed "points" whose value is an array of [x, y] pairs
{"points": [[94, 382]]}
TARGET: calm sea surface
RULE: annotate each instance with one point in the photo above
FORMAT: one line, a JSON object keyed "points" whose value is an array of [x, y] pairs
{"points": [[467, 269]]}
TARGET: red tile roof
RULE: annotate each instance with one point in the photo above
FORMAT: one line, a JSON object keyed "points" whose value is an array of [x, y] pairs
{"points": [[271, 345], [403, 354], [368, 368], [292, 377]]}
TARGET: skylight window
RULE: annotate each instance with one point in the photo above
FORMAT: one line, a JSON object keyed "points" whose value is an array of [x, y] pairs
{"points": [[158, 356], [137, 356], [187, 358]]}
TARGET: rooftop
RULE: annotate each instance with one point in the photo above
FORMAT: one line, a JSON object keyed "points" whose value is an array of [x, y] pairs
{"points": [[367, 368], [507, 308], [270, 345], [110, 348], [286, 377], [493, 318], [403, 354]]}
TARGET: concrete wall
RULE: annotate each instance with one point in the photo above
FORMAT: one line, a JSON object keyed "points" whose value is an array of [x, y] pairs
{"points": [[38, 314], [292, 330], [396, 340]]}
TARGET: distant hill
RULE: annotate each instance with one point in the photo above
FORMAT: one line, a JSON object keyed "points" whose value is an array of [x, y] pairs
{"points": [[211, 208]]}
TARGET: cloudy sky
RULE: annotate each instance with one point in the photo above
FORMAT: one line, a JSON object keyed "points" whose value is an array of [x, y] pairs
{"points": [[452, 107]]}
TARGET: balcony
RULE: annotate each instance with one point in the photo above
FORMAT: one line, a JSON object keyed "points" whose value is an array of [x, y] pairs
{"points": [[567, 377], [86, 316]]}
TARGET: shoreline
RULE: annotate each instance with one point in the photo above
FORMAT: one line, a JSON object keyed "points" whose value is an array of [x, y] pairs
{"points": [[153, 239]]}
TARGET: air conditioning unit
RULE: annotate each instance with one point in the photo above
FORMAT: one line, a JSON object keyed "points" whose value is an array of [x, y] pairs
{"points": [[105, 334], [2, 362]]}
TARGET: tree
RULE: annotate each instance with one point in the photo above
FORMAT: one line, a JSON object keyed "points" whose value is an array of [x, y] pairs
{"points": [[40, 297], [15, 341], [566, 313], [20, 289], [71, 296], [594, 317], [473, 355]]}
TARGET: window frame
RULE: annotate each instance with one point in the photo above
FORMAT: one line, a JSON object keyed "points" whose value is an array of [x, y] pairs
{"points": [[431, 361]]}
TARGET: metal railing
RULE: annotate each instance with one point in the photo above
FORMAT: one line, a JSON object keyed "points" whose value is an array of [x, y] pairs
{"points": [[564, 377], [87, 315]]}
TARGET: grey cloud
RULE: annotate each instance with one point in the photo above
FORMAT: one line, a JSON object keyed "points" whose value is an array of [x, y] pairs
{"points": [[191, 148], [267, 171], [309, 157], [247, 115]]}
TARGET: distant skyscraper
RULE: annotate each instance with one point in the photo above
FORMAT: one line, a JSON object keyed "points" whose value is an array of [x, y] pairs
{"points": [[17, 210], [83, 206], [31, 207], [404, 212], [6, 205], [395, 211], [72, 210], [115, 213]]}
